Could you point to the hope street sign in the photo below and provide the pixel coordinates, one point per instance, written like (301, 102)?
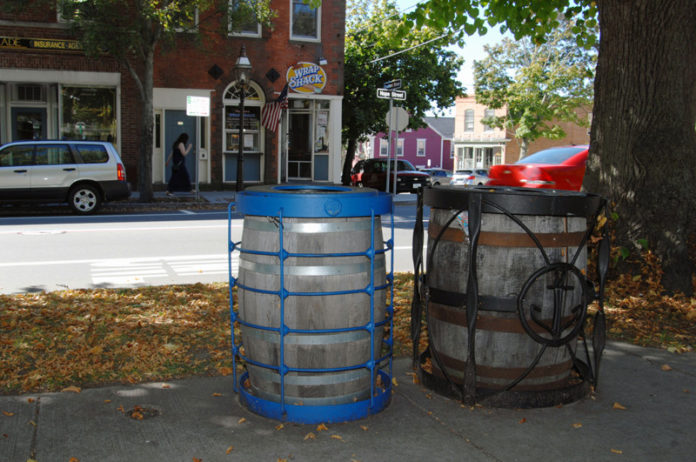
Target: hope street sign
(385, 93)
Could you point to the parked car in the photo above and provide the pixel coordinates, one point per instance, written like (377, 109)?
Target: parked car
(408, 178)
(554, 168)
(438, 175)
(470, 177)
(82, 173)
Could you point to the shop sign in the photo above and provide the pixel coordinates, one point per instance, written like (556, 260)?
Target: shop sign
(306, 78)
(21, 43)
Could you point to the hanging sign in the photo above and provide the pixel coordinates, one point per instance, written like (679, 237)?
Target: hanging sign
(308, 78)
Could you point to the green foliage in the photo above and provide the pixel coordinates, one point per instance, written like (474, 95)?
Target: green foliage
(428, 73)
(537, 82)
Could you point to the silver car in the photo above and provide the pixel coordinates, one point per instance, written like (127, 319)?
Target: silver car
(82, 173)
(470, 177)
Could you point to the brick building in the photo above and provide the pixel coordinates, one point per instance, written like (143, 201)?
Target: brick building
(477, 145)
(50, 89)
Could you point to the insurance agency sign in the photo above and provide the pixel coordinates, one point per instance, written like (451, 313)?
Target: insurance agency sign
(308, 78)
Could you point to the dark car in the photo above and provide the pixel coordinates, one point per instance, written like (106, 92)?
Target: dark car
(554, 168)
(408, 178)
(356, 173)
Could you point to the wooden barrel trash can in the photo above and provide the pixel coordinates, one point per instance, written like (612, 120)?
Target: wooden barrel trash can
(514, 261)
(311, 292)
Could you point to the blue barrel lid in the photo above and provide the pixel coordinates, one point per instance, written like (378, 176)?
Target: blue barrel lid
(313, 201)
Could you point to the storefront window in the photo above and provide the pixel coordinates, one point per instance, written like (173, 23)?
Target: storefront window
(88, 113)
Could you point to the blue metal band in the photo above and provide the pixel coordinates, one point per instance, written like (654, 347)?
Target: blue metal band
(313, 201)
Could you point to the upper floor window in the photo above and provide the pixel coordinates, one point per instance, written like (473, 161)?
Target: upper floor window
(304, 21)
(383, 147)
(420, 149)
(488, 114)
(469, 120)
(186, 20)
(243, 19)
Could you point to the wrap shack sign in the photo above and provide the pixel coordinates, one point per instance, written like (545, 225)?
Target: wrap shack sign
(308, 78)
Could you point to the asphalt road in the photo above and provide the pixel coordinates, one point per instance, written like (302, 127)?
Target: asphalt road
(58, 252)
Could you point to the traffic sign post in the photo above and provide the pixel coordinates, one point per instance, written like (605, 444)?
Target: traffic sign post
(391, 92)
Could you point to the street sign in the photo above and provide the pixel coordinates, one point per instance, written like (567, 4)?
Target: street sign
(398, 94)
(393, 84)
(385, 93)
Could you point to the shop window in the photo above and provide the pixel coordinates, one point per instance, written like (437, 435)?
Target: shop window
(252, 143)
(321, 132)
(304, 21)
(243, 19)
(420, 149)
(89, 113)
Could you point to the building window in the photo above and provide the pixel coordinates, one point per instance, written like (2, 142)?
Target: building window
(488, 114)
(451, 150)
(186, 20)
(400, 147)
(420, 147)
(469, 120)
(383, 147)
(304, 21)
(243, 19)
(88, 113)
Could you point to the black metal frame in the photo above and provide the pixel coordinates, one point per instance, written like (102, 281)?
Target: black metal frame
(513, 202)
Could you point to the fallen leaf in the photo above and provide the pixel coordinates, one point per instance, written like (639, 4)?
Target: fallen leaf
(666, 367)
(73, 459)
(30, 400)
(72, 389)
(8, 414)
(617, 451)
(216, 395)
(337, 437)
(107, 401)
(310, 436)
(166, 385)
(364, 427)
(230, 449)
(522, 420)
(396, 384)
(242, 420)
(619, 406)
(196, 459)
(322, 427)
(577, 425)
(279, 427)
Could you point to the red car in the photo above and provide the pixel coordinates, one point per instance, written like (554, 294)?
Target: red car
(554, 168)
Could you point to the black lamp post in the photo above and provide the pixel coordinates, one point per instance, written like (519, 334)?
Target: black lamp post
(242, 69)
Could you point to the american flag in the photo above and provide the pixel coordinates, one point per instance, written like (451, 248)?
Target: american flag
(270, 116)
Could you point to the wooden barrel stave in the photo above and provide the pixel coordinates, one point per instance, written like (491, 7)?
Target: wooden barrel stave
(311, 275)
(506, 257)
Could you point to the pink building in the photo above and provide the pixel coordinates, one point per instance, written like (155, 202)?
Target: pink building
(428, 147)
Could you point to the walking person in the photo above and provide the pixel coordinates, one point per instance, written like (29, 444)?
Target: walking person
(180, 179)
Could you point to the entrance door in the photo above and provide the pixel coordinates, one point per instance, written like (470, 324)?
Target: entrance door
(28, 123)
(300, 147)
(176, 123)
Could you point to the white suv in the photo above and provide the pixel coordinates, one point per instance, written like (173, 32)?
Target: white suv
(82, 173)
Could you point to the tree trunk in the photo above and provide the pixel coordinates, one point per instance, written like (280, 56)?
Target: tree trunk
(348, 163)
(643, 138)
(524, 147)
(145, 149)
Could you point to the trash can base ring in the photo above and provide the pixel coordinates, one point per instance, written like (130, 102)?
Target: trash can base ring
(317, 414)
(510, 399)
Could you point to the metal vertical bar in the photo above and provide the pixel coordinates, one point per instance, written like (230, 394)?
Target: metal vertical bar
(371, 325)
(282, 369)
(231, 284)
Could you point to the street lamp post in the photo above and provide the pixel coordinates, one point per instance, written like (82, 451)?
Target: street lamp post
(242, 69)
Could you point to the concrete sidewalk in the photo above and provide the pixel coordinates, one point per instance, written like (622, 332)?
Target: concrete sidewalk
(201, 418)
